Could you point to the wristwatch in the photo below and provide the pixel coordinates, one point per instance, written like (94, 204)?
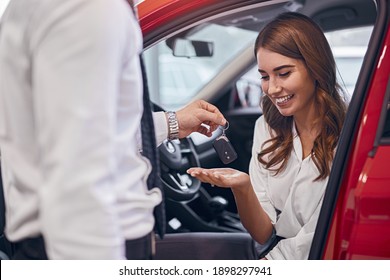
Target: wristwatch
(173, 125)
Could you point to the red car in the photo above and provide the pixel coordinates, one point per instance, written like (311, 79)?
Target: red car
(216, 63)
(355, 218)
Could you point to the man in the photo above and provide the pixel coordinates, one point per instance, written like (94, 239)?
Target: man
(70, 114)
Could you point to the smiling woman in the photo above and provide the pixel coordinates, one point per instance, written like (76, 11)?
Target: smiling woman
(286, 76)
(294, 141)
(307, 93)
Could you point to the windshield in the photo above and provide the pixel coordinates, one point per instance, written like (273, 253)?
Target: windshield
(174, 81)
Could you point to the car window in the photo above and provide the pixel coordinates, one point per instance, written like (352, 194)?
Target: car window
(174, 81)
(249, 89)
(349, 47)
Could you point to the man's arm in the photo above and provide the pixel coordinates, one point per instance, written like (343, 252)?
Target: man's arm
(199, 116)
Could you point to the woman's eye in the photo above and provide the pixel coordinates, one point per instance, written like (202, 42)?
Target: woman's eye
(264, 77)
(285, 74)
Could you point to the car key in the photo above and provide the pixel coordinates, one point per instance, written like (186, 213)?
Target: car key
(224, 148)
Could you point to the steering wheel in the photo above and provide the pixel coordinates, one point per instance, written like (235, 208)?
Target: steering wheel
(176, 156)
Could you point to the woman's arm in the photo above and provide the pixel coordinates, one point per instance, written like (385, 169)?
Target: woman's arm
(252, 215)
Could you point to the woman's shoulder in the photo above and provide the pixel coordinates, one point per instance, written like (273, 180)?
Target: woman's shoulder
(261, 126)
(262, 132)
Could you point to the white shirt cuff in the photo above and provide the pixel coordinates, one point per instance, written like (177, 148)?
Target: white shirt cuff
(161, 126)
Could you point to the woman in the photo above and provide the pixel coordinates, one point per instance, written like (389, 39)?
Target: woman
(294, 140)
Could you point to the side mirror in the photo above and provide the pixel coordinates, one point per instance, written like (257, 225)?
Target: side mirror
(191, 48)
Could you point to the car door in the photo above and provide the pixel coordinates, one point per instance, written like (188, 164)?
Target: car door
(355, 217)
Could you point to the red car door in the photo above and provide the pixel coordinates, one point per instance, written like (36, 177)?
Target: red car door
(359, 188)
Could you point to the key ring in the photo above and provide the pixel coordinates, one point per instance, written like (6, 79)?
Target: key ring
(226, 126)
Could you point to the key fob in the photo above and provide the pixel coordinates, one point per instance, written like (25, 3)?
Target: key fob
(224, 149)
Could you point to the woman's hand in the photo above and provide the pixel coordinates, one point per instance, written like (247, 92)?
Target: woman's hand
(252, 215)
(222, 177)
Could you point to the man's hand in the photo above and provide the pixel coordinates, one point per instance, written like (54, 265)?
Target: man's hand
(199, 116)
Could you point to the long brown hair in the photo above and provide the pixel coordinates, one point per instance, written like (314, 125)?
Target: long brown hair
(296, 36)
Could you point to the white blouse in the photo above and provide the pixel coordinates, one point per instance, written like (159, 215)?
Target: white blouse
(291, 199)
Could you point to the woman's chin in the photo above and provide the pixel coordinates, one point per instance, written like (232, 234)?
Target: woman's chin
(285, 113)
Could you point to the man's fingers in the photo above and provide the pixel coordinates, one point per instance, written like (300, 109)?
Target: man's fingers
(212, 112)
(212, 118)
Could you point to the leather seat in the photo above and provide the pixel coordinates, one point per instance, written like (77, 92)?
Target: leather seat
(206, 246)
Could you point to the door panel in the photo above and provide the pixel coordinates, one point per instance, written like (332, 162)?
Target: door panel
(359, 227)
(367, 223)
(348, 228)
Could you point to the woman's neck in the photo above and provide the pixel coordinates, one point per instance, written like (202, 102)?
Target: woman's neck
(308, 126)
(308, 129)
(308, 122)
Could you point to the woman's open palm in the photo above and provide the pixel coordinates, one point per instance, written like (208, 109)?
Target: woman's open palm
(222, 177)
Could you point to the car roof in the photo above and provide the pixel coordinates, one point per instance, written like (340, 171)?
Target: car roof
(175, 16)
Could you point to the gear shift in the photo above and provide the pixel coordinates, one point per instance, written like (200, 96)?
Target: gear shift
(217, 205)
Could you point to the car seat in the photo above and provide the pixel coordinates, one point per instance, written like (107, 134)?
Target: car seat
(206, 246)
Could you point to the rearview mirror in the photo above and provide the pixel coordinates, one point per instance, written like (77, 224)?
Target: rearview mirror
(192, 48)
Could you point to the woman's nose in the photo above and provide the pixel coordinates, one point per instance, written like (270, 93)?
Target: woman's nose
(273, 87)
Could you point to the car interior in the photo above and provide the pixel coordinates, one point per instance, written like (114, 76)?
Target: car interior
(224, 74)
(212, 209)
